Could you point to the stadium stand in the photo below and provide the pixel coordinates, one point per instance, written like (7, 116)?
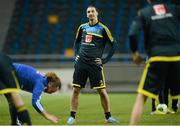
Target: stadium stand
(44, 27)
(41, 33)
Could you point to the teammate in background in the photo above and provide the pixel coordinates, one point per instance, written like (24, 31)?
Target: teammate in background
(173, 110)
(9, 86)
(163, 99)
(89, 45)
(33, 81)
(159, 21)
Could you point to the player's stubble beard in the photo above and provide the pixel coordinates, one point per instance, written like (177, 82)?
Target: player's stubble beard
(93, 21)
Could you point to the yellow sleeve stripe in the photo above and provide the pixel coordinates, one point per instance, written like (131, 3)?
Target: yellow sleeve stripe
(107, 31)
(90, 33)
(77, 33)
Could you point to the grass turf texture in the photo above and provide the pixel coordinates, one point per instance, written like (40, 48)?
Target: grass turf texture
(90, 111)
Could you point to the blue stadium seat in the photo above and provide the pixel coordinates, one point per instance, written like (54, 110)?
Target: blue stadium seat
(31, 33)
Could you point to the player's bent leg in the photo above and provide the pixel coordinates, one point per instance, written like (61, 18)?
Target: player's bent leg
(23, 116)
(22, 113)
(12, 110)
(17, 100)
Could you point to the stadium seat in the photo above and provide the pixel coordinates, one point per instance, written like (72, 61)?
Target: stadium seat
(30, 31)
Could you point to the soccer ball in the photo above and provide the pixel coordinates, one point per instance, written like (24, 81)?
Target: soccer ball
(162, 107)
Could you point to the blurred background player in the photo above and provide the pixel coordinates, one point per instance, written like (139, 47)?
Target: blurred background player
(164, 99)
(9, 86)
(89, 45)
(159, 22)
(33, 81)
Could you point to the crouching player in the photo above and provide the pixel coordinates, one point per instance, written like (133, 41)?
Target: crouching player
(33, 81)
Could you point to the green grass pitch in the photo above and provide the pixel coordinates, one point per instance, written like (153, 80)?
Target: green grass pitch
(90, 111)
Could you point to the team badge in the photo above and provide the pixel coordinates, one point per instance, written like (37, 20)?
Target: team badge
(159, 9)
(88, 38)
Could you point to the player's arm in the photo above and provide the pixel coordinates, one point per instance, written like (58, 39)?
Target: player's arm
(113, 44)
(36, 97)
(77, 41)
(12, 109)
(133, 33)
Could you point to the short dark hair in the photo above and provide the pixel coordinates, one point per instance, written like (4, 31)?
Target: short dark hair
(93, 7)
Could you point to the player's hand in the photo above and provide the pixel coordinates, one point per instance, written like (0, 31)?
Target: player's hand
(98, 61)
(50, 117)
(77, 58)
(137, 58)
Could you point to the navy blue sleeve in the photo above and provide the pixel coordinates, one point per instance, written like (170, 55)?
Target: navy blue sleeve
(136, 26)
(76, 47)
(110, 53)
(77, 41)
(134, 31)
(36, 96)
(109, 38)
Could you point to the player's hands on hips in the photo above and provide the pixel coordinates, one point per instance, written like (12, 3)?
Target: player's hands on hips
(137, 58)
(98, 61)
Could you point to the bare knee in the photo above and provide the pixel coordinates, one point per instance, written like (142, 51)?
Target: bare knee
(76, 90)
(102, 92)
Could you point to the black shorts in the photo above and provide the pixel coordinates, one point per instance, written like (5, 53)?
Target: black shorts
(157, 72)
(8, 80)
(83, 71)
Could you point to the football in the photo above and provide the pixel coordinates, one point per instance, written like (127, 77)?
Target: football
(162, 108)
